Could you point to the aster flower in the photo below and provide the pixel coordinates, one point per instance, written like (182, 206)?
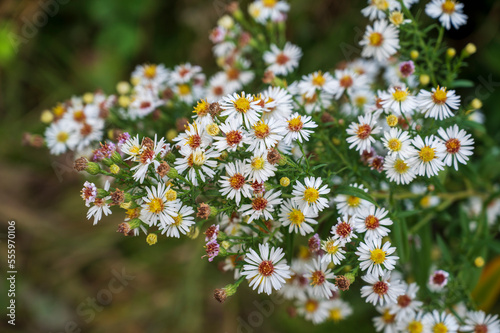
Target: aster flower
(386, 322)
(156, 208)
(380, 41)
(413, 323)
(198, 163)
(407, 303)
(273, 10)
(212, 249)
(314, 83)
(438, 280)
(375, 258)
(346, 80)
(333, 251)
(61, 136)
(439, 103)
(478, 321)
(235, 184)
(266, 270)
(150, 74)
(184, 73)
(372, 222)
(181, 223)
(291, 215)
(380, 290)
(441, 322)
(262, 206)
(401, 171)
(218, 87)
(278, 103)
(377, 8)
(146, 158)
(132, 148)
(344, 229)
(313, 309)
(318, 275)
(89, 193)
(458, 144)
(194, 136)
(398, 142)
(297, 128)
(361, 133)
(283, 62)
(234, 137)
(308, 196)
(350, 204)
(428, 156)
(398, 100)
(259, 169)
(265, 134)
(449, 12)
(238, 77)
(241, 109)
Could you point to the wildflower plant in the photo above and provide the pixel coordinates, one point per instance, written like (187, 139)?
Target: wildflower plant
(305, 184)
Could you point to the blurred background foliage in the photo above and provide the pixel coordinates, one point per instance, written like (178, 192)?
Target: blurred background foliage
(64, 262)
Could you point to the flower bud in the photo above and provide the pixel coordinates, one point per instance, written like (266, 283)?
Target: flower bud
(47, 117)
(213, 129)
(392, 120)
(81, 164)
(101, 193)
(93, 168)
(116, 157)
(479, 262)
(414, 54)
(451, 52)
(284, 181)
(193, 232)
(222, 294)
(88, 98)
(124, 101)
(134, 223)
(424, 79)
(123, 87)
(152, 239)
(476, 103)
(470, 49)
(172, 173)
(114, 169)
(225, 244)
(107, 162)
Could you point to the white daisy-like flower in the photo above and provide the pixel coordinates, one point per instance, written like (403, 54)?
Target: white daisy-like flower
(346, 80)
(132, 148)
(438, 280)
(273, 10)
(278, 103)
(428, 156)
(413, 323)
(361, 133)
(265, 134)
(241, 109)
(350, 204)
(377, 9)
(144, 102)
(344, 229)
(407, 303)
(150, 74)
(259, 169)
(401, 171)
(318, 275)
(380, 41)
(313, 309)
(188, 93)
(291, 215)
(361, 101)
(386, 322)
(61, 136)
(234, 137)
(376, 258)
(308, 196)
(146, 158)
(478, 321)
(338, 310)
(441, 322)
(449, 12)
(202, 114)
(372, 222)
(458, 144)
(194, 136)
(380, 290)
(439, 103)
(262, 206)
(266, 270)
(218, 87)
(314, 83)
(198, 162)
(183, 73)
(181, 223)
(235, 184)
(333, 251)
(398, 100)
(157, 208)
(238, 78)
(297, 128)
(89, 193)
(100, 206)
(282, 62)
(398, 142)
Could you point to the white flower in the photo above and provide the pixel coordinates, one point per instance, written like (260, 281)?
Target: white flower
(238, 78)
(273, 10)
(195, 136)
(198, 163)
(313, 309)
(333, 251)
(344, 229)
(361, 133)
(386, 322)
(132, 148)
(450, 13)
(156, 207)
(218, 87)
(380, 41)
(100, 206)
(89, 193)
(234, 137)
(398, 100)
(346, 80)
(377, 8)
(265, 134)
(278, 103)
(478, 321)
(428, 157)
(181, 223)
(150, 74)
(438, 280)
(283, 62)
(380, 290)
(318, 275)
(375, 258)
(235, 184)
(407, 303)
(372, 221)
(439, 103)
(413, 323)
(308, 196)
(314, 83)
(259, 169)
(338, 309)
(350, 204)
(291, 215)
(458, 144)
(398, 142)
(262, 206)
(144, 102)
(184, 73)
(296, 128)
(399, 170)
(241, 109)
(441, 322)
(61, 136)
(264, 270)
(146, 158)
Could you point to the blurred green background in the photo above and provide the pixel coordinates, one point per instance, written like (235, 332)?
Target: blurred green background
(63, 261)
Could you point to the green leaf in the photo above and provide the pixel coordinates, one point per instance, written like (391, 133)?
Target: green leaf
(356, 192)
(444, 250)
(462, 84)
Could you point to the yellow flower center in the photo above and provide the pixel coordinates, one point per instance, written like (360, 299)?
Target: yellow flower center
(311, 305)
(318, 79)
(184, 89)
(242, 105)
(415, 327)
(387, 317)
(394, 144)
(439, 96)
(258, 163)
(440, 328)
(330, 247)
(198, 157)
(317, 278)
(269, 3)
(62, 137)
(427, 154)
(425, 201)
(171, 195)
(58, 110)
(201, 108)
(152, 239)
(353, 201)
(400, 166)
(376, 39)
(377, 256)
(396, 18)
(363, 131)
(295, 124)
(150, 71)
(392, 120)
(212, 129)
(177, 220)
(261, 130)
(311, 195)
(400, 95)
(453, 146)
(134, 150)
(156, 205)
(360, 101)
(448, 6)
(381, 4)
(296, 217)
(336, 315)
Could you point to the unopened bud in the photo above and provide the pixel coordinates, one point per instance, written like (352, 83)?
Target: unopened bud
(93, 168)
(123, 87)
(414, 54)
(172, 173)
(424, 79)
(88, 98)
(470, 49)
(476, 104)
(451, 52)
(284, 181)
(152, 239)
(479, 262)
(171, 135)
(47, 117)
(114, 169)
